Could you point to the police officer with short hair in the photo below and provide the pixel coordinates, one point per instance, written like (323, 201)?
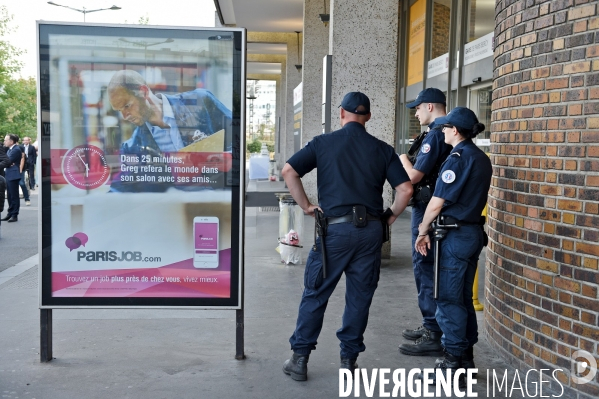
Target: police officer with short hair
(430, 151)
(352, 167)
(460, 197)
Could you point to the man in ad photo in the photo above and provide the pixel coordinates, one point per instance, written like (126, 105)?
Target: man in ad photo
(194, 120)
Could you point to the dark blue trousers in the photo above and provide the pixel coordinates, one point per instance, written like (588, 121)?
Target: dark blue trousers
(424, 273)
(24, 186)
(456, 316)
(357, 253)
(14, 203)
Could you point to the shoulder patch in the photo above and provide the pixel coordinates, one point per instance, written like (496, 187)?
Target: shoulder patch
(448, 176)
(425, 148)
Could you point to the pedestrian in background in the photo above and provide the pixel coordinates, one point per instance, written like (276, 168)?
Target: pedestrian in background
(30, 153)
(4, 160)
(13, 176)
(22, 182)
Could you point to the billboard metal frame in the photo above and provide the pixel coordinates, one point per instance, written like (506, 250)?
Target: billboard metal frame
(236, 300)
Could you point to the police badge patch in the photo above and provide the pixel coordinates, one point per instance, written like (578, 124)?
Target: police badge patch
(426, 148)
(448, 176)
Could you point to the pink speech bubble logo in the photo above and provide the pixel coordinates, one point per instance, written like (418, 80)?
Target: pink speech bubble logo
(72, 243)
(82, 237)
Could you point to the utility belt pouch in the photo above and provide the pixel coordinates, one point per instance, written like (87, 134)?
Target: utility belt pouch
(360, 216)
(424, 194)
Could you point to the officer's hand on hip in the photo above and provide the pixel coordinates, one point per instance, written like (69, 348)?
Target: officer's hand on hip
(423, 242)
(310, 210)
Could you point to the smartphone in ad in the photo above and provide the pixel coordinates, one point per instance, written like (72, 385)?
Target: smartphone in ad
(205, 233)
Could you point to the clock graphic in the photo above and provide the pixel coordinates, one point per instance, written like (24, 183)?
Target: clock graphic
(85, 167)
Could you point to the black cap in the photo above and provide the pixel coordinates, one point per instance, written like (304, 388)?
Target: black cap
(353, 100)
(461, 117)
(430, 95)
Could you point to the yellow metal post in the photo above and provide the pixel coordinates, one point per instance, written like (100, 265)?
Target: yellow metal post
(475, 302)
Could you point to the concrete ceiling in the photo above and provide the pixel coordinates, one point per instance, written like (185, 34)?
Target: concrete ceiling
(263, 15)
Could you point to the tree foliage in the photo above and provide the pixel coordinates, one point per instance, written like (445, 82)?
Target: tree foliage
(254, 146)
(9, 64)
(18, 113)
(18, 108)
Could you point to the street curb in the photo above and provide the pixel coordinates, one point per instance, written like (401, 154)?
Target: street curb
(19, 268)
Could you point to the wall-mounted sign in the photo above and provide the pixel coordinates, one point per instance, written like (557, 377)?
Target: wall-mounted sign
(478, 49)
(438, 66)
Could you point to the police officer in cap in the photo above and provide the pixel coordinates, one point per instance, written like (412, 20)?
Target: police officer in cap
(352, 167)
(430, 151)
(460, 197)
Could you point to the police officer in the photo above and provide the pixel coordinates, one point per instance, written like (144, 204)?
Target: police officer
(430, 151)
(460, 197)
(352, 167)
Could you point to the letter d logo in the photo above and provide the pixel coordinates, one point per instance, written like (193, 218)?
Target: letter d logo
(580, 366)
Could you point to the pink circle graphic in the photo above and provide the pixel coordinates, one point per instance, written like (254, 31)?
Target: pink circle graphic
(85, 167)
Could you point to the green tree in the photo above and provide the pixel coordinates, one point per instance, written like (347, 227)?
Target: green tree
(18, 108)
(18, 113)
(254, 146)
(9, 64)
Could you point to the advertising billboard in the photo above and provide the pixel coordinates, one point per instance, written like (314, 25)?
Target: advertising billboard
(142, 173)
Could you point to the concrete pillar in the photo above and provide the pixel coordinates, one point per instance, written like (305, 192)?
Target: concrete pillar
(282, 114)
(293, 78)
(363, 41)
(315, 47)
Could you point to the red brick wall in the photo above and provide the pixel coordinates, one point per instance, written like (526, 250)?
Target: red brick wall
(542, 267)
(441, 17)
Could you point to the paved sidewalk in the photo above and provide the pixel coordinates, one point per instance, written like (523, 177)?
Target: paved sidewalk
(148, 354)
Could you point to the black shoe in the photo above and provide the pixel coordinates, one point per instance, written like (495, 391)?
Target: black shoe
(13, 219)
(297, 367)
(427, 345)
(467, 360)
(413, 335)
(5, 218)
(349, 364)
(451, 363)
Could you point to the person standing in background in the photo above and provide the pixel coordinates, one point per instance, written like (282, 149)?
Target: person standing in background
(13, 175)
(30, 160)
(22, 182)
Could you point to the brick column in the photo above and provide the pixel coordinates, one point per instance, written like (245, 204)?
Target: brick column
(542, 267)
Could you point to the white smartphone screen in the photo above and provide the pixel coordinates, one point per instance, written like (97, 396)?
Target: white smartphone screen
(205, 232)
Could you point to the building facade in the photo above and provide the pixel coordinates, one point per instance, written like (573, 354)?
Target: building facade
(530, 70)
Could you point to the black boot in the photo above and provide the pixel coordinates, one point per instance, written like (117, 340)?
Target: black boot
(427, 345)
(467, 360)
(451, 363)
(413, 335)
(349, 364)
(297, 367)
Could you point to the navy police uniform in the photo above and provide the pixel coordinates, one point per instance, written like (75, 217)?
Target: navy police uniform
(433, 152)
(352, 167)
(464, 184)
